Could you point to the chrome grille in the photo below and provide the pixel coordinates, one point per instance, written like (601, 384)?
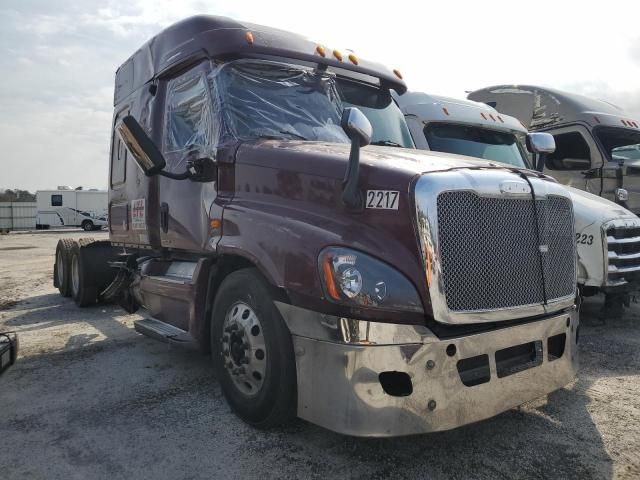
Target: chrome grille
(623, 254)
(556, 231)
(490, 250)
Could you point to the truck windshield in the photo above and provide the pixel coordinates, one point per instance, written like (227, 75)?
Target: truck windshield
(268, 99)
(475, 142)
(260, 98)
(619, 143)
(389, 125)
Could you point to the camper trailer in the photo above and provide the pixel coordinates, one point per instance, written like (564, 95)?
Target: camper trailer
(256, 213)
(65, 207)
(602, 227)
(597, 143)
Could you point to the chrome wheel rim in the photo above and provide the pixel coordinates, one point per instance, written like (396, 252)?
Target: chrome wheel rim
(75, 274)
(243, 349)
(60, 268)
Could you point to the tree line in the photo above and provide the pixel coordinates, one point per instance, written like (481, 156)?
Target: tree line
(17, 195)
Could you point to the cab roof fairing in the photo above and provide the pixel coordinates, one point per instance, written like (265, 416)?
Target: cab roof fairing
(206, 37)
(548, 106)
(430, 108)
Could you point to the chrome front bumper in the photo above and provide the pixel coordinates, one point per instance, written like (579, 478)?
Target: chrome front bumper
(339, 363)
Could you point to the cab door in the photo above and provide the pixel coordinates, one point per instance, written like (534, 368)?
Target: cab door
(577, 160)
(188, 134)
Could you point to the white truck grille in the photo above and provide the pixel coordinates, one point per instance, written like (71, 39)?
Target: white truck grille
(623, 252)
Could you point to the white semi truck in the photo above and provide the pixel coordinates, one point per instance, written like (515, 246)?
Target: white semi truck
(607, 235)
(65, 207)
(597, 142)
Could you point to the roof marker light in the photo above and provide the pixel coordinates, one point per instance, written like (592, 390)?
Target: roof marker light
(397, 73)
(483, 115)
(624, 122)
(444, 109)
(596, 119)
(635, 124)
(353, 59)
(492, 117)
(320, 50)
(500, 118)
(338, 55)
(248, 36)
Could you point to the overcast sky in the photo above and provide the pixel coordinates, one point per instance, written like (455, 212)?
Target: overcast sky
(58, 58)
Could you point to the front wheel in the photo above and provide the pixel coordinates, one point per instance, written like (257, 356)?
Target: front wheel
(253, 351)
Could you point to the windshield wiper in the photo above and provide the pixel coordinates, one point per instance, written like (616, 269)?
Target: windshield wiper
(386, 143)
(271, 136)
(296, 135)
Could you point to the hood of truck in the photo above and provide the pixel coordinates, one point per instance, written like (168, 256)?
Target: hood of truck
(330, 159)
(589, 209)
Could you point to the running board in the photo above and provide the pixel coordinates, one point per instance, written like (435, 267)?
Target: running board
(164, 332)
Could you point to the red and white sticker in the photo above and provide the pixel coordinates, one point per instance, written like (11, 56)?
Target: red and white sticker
(138, 214)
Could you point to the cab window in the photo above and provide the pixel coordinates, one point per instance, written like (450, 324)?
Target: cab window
(188, 118)
(572, 153)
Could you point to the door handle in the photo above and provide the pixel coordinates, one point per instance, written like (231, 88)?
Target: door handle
(164, 217)
(591, 173)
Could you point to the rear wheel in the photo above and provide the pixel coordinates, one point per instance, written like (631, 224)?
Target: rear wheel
(253, 351)
(83, 288)
(87, 225)
(62, 266)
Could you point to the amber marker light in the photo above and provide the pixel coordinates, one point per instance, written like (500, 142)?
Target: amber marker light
(444, 109)
(248, 36)
(321, 51)
(338, 55)
(397, 73)
(215, 223)
(328, 278)
(353, 59)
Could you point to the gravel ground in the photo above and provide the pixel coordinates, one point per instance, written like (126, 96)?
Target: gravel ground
(91, 398)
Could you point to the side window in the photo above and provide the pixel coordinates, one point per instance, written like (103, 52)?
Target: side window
(56, 200)
(119, 154)
(188, 120)
(572, 153)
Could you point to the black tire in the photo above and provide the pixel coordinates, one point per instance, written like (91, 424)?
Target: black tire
(62, 266)
(83, 288)
(275, 402)
(87, 225)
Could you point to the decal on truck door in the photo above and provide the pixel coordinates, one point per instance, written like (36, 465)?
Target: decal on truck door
(138, 214)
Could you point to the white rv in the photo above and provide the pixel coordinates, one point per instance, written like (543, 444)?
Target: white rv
(71, 208)
(607, 235)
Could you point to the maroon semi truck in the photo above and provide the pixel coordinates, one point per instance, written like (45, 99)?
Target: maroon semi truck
(259, 211)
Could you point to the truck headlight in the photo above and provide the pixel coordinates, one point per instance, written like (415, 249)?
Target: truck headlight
(354, 278)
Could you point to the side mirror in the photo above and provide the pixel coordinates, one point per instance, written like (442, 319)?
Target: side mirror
(356, 125)
(541, 143)
(144, 151)
(359, 130)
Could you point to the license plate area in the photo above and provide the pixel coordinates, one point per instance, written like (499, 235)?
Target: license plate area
(518, 358)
